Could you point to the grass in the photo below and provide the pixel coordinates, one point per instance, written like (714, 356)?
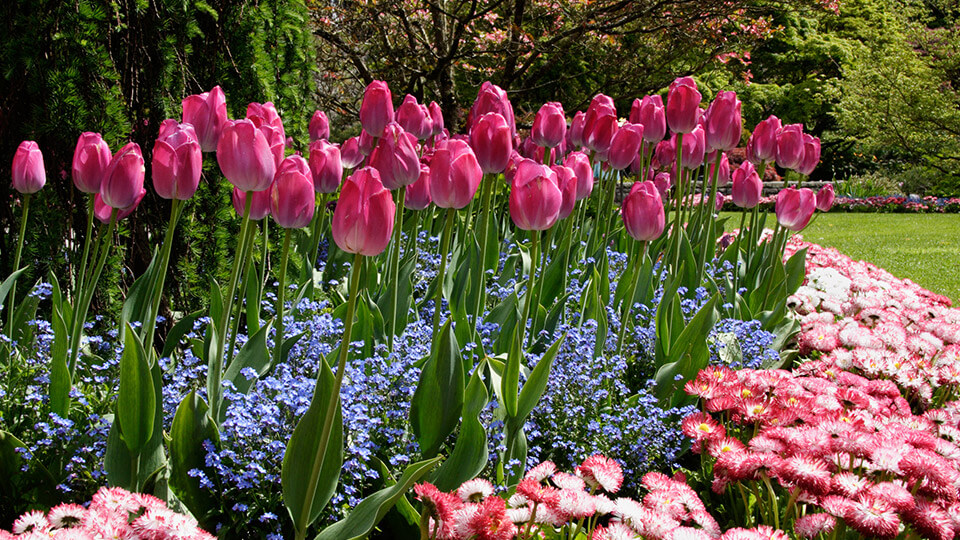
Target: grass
(924, 248)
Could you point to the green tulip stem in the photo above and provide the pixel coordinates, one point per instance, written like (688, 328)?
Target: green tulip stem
(736, 264)
(278, 339)
(534, 255)
(568, 233)
(710, 224)
(318, 223)
(87, 240)
(486, 190)
(628, 301)
(678, 198)
(544, 255)
(80, 313)
(334, 394)
(394, 276)
(16, 265)
(246, 274)
(176, 207)
(444, 250)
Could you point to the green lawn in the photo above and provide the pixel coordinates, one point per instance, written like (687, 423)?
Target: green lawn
(922, 247)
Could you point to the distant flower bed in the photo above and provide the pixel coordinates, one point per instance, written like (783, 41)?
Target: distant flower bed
(880, 204)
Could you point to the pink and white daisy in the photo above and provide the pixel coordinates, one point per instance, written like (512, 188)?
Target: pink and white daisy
(600, 471)
(475, 490)
(812, 525)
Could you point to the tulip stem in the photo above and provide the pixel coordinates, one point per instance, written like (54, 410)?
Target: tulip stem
(566, 254)
(278, 339)
(245, 273)
(315, 241)
(534, 254)
(486, 190)
(150, 323)
(628, 301)
(82, 272)
(334, 396)
(80, 313)
(736, 265)
(678, 198)
(544, 254)
(444, 249)
(394, 276)
(710, 223)
(16, 265)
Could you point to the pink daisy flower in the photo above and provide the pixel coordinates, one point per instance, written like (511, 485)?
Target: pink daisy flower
(813, 525)
(542, 471)
(65, 515)
(601, 471)
(475, 490)
(33, 521)
(490, 521)
(872, 517)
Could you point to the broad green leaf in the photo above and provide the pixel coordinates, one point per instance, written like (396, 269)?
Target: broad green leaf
(136, 402)
(216, 305)
(505, 315)
(137, 306)
(176, 333)
(470, 452)
(536, 383)
(60, 378)
(510, 383)
(437, 401)
(253, 294)
(688, 355)
(192, 426)
(254, 355)
(8, 284)
(25, 313)
(796, 269)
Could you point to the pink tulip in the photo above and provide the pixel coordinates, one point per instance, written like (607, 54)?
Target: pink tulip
(245, 156)
(580, 164)
(414, 118)
(683, 105)
(600, 124)
(663, 184)
(492, 142)
(259, 204)
(724, 175)
(747, 187)
(762, 145)
(575, 133)
(811, 154)
(567, 182)
(723, 124)
(549, 125)
(492, 98)
(29, 174)
(376, 110)
(395, 157)
(417, 195)
(455, 174)
(825, 198)
(363, 217)
(666, 152)
(642, 212)
(326, 166)
(625, 146)
(436, 118)
(694, 149)
(177, 161)
(350, 155)
(367, 142)
(515, 159)
(790, 146)
(650, 113)
(90, 160)
(123, 180)
(292, 199)
(535, 197)
(102, 211)
(795, 207)
(319, 127)
(207, 113)
(265, 114)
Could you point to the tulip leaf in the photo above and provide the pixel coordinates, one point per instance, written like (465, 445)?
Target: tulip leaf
(216, 305)
(211, 352)
(60, 379)
(688, 354)
(176, 333)
(505, 315)
(8, 284)
(470, 453)
(509, 268)
(136, 401)
(192, 426)
(437, 401)
(26, 312)
(253, 294)
(536, 382)
(253, 355)
(137, 305)
(796, 269)
(510, 383)
(360, 522)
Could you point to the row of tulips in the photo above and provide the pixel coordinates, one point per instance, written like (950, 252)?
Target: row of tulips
(563, 183)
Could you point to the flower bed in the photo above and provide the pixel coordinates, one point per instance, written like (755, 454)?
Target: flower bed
(879, 204)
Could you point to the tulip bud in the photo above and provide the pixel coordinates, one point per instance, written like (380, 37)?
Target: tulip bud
(417, 195)
(207, 113)
(292, 199)
(724, 176)
(567, 182)
(326, 166)
(663, 184)
(363, 217)
(649, 112)
(259, 204)
(762, 145)
(535, 197)
(414, 118)
(795, 207)
(580, 164)
(549, 125)
(683, 105)
(350, 154)
(102, 211)
(455, 174)
(436, 118)
(90, 160)
(575, 133)
(492, 142)
(177, 161)
(642, 212)
(29, 174)
(811, 154)
(825, 198)
(376, 110)
(492, 98)
(395, 157)
(245, 156)
(625, 146)
(790, 146)
(123, 179)
(319, 127)
(747, 187)
(694, 149)
(723, 124)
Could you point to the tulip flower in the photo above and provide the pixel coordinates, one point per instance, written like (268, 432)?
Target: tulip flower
(515, 159)
(825, 198)
(207, 113)
(723, 124)
(535, 197)
(811, 154)
(90, 160)
(795, 207)
(363, 217)
(350, 155)
(436, 118)
(642, 212)
(683, 105)
(395, 157)
(575, 133)
(326, 166)
(600, 124)
(104, 211)
(567, 182)
(549, 125)
(29, 174)
(790, 146)
(376, 110)
(455, 174)
(367, 142)
(694, 149)
(418, 193)
(747, 187)
(492, 142)
(319, 127)
(666, 152)
(580, 164)
(265, 114)
(762, 145)
(123, 179)
(724, 174)
(414, 118)
(259, 204)
(492, 98)
(625, 146)
(292, 199)
(650, 113)
(245, 156)
(177, 161)
(663, 184)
